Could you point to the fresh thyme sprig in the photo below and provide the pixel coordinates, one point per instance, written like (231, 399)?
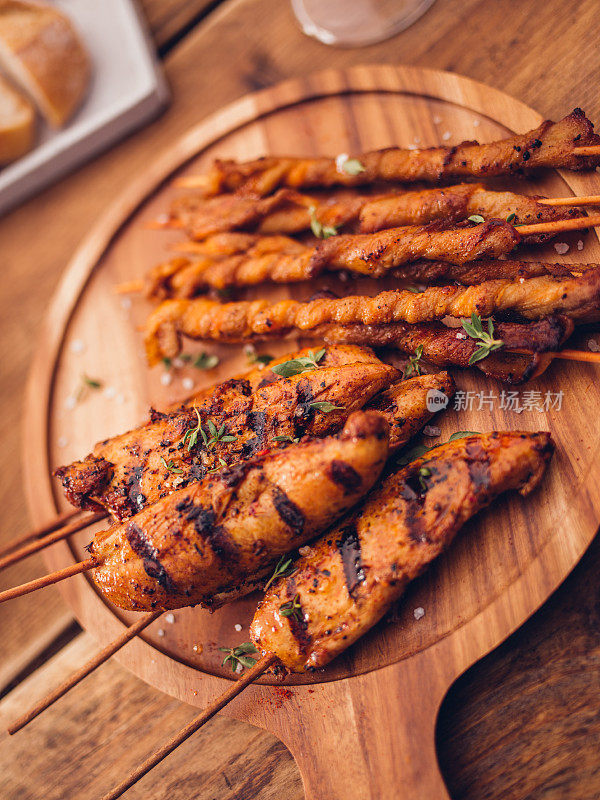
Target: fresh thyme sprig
(287, 439)
(171, 466)
(298, 365)
(477, 218)
(325, 406)
(283, 569)
(320, 231)
(413, 366)
(255, 358)
(191, 435)
(216, 434)
(205, 360)
(293, 608)
(239, 655)
(485, 339)
(87, 383)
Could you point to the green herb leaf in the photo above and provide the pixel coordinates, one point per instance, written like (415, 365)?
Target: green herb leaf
(319, 230)
(292, 608)
(414, 367)
(91, 382)
(254, 358)
(171, 467)
(424, 472)
(283, 569)
(485, 339)
(476, 218)
(352, 166)
(191, 435)
(411, 455)
(414, 289)
(286, 439)
(167, 362)
(296, 366)
(206, 361)
(462, 435)
(511, 217)
(239, 655)
(325, 406)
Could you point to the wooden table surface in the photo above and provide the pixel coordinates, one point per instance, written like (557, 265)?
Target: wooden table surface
(524, 722)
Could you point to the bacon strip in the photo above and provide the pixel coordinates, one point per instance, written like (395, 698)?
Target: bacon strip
(550, 145)
(288, 211)
(534, 298)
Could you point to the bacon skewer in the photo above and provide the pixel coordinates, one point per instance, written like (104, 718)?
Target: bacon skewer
(533, 299)
(363, 565)
(563, 144)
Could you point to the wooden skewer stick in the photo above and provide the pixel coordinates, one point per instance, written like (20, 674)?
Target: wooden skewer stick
(560, 225)
(164, 224)
(48, 580)
(584, 200)
(51, 538)
(129, 287)
(128, 634)
(587, 150)
(565, 355)
(38, 532)
(261, 666)
(193, 182)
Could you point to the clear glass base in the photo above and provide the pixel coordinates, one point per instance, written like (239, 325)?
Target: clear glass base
(356, 23)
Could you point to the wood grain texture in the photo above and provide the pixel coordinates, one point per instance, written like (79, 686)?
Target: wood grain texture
(504, 44)
(475, 597)
(170, 19)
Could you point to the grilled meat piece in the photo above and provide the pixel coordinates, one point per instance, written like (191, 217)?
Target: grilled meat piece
(279, 259)
(129, 472)
(407, 406)
(208, 538)
(287, 211)
(549, 145)
(535, 298)
(450, 347)
(470, 274)
(355, 573)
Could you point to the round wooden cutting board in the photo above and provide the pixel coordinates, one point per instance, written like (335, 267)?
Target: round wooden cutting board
(366, 724)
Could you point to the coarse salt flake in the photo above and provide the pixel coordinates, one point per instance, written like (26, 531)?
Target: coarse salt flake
(188, 384)
(238, 627)
(178, 363)
(120, 399)
(304, 551)
(561, 248)
(240, 667)
(437, 120)
(419, 613)
(166, 379)
(109, 392)
(446, 135)
(77, 346)
(432, 430)
(170, 618)
(340, 161)
(521, 280)
(126, 303)
(460, 335)
(62, 441)
(593, 346)
(70, 402)
(476, 123)
(580, 244)
(160, 632)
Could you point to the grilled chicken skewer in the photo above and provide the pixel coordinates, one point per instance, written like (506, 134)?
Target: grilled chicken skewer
(404, 406)
(129, 472)
(183, 278)
(552, 144)
(213, 400)
(363, 566)
(280, 259)
(202, 544)
(288, 211)
(535, 298)
(451, 347)
(354, 574)
(212, 540)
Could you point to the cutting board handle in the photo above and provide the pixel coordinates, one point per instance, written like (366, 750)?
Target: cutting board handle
(372, 737)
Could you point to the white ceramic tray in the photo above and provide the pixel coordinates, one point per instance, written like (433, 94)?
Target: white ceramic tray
(127, 89)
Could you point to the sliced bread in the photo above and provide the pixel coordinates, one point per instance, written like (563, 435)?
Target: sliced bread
(41, 51)
(17, 123)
